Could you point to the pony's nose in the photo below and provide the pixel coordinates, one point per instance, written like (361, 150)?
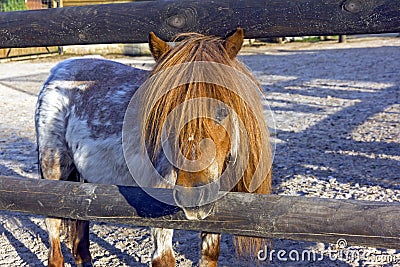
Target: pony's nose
(192, 202)
(198, 213)
(190, 197)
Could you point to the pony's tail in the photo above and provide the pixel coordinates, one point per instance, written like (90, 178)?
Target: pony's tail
(250, 247)
(69, 226)
(247, 246)
(68, 231)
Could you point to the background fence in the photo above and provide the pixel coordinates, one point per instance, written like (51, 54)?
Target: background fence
(131, 22)
(103, 24)
(19, 5)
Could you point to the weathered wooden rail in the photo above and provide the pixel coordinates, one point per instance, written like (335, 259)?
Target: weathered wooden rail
(131, 22)
(299, 218)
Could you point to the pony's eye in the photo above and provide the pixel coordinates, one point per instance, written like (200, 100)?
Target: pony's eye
(221, 114)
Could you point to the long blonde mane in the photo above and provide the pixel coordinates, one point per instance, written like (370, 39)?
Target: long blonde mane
(244, 101)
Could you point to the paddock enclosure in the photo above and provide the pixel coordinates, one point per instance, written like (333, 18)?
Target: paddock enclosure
(337, 113)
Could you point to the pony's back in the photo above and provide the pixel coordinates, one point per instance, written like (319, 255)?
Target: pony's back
(79, 119)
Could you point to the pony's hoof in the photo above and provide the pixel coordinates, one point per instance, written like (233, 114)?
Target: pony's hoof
(84, 264)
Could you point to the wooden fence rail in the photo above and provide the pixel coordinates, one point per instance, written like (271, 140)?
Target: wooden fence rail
(131, 22)
(299, 218)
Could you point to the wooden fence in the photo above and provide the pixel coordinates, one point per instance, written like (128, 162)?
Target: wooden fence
(313, 219)
(299, 218)
(28, 52)
(131, 22)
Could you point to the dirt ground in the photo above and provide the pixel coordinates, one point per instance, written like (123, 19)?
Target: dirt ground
(337, 134)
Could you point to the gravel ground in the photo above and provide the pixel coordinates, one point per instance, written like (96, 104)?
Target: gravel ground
(337, 113)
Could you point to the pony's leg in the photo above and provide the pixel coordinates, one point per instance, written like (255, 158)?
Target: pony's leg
(53, 166)
(163, 254)
(80, 244)
(210, 247)
(55, 258)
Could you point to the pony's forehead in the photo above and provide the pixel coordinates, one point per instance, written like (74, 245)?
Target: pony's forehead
(193, 36)
(193, 44)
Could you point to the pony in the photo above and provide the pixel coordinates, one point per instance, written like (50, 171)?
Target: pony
(193, 124)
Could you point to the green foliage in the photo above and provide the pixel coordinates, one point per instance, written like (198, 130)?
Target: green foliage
(12, 5)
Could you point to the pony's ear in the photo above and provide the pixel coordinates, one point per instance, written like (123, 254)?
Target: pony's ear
(233, 43)
(158, 47)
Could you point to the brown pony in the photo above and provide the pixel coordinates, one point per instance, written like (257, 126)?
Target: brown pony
(194, 124)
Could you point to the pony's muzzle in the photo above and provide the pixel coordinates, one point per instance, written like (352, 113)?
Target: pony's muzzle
(196, 202)
(199, 213)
